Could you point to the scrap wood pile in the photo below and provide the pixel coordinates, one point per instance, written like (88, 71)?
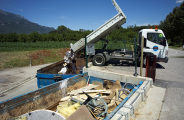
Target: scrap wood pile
(87, 103)
(96, 100)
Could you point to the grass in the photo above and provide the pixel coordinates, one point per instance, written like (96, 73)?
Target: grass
(31, 46)
(19, 54)
(176, 47)
(23, 58)
(177, 57)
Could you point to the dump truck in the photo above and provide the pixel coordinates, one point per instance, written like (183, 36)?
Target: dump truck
(154, 43)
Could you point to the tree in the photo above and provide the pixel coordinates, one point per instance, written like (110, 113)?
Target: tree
(63, 29)
(34, 37)
(23, 37)
(173, 26)
(12, 37)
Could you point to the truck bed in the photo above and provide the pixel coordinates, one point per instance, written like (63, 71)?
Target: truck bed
(102, 31)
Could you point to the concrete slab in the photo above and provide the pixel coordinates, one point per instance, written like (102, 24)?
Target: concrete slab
(150, 109)
(100, 72)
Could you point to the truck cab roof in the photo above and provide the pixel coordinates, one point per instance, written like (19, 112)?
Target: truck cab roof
(151, 30)
(145, 31)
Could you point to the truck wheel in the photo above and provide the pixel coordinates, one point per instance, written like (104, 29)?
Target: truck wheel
(99, 59)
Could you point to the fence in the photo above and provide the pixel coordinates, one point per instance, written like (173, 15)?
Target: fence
(115, 44)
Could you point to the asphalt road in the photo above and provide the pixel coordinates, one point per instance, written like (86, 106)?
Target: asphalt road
(168, 75)
(172, 77)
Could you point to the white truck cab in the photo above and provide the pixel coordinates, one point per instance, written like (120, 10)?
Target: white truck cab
(154, 43)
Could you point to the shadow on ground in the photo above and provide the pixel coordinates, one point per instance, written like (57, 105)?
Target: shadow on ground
(126, 63)
(121, 63)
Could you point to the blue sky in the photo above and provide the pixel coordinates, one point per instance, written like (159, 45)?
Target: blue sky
(89, 14)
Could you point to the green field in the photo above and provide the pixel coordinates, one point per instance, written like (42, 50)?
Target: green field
(19, 54)
(31, 46)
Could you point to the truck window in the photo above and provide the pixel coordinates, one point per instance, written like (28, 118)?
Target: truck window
(155, 37)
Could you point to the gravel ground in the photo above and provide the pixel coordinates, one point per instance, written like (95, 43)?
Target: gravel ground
(23, 78)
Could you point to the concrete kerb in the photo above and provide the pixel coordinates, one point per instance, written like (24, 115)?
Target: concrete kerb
(16, 85)
(135, 100)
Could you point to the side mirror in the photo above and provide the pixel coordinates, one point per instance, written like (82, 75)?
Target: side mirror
(164, 42)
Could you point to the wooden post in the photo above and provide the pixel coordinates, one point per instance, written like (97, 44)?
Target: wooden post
(142, 46)
(30, 60)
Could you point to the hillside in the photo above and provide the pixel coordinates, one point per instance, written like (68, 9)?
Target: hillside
(13, 23)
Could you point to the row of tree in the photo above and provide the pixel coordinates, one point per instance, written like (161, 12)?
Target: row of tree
(173, 27)
(65, 34)
(61, 34)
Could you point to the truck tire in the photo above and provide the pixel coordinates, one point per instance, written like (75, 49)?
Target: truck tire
(99, 59)
(144, 62)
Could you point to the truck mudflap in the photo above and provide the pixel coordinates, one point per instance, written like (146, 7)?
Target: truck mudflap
(165, 60)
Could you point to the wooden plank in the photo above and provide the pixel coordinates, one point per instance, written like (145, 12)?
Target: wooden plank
(93, 91)
(75, 92)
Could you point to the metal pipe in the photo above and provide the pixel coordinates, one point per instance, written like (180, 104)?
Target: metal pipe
(86, 56)
(135, 56)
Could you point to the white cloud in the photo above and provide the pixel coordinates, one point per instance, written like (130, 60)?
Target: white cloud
(64, 17)
(179, 1)
(145, 24)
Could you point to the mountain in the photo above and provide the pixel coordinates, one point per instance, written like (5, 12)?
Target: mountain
(13, 23)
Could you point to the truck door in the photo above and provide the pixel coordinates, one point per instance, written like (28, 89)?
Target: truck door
(157, 42)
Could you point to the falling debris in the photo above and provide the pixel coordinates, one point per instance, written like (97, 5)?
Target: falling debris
(69, 57)
(64, 69)
(69, 66)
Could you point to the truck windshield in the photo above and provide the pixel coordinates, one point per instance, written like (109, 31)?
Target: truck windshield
(156, 38)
